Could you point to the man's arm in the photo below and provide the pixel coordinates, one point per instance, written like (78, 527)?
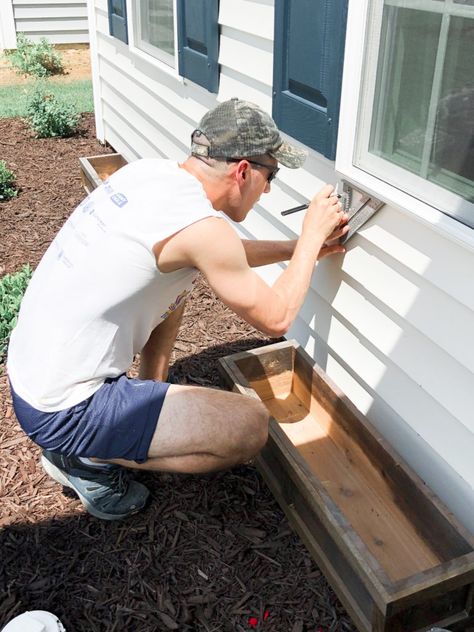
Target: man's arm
(212, 246)
(261, 252)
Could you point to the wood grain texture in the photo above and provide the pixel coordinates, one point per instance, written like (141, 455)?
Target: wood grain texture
(96, 169)
(395, 556)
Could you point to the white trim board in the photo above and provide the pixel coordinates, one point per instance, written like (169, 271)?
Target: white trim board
(95, 68)
(7, 25)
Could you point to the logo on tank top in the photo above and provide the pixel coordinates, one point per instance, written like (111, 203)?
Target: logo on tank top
(119, 199)
(178, 300)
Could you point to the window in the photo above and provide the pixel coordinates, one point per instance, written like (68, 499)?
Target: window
(307, 73)
(417, 112)
(155, 29)
(170, 30)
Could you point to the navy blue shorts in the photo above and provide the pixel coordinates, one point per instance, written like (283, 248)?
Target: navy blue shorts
(117, 422)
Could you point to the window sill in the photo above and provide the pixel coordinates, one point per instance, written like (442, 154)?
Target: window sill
(159, 65)
(406, 203)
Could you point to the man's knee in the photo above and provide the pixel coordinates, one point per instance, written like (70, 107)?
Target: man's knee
(262, 419)
(254, 419)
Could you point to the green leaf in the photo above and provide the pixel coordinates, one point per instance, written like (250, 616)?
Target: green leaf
(12, 289)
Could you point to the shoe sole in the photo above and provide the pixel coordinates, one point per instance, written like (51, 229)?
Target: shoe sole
(60, 478)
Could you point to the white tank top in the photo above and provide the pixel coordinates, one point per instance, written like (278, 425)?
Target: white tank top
(97, 294)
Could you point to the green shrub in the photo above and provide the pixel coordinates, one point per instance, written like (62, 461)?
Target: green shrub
(35, 58)
(7, 182)
(50, 116)
(12, 288)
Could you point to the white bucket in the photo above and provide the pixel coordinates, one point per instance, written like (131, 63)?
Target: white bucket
(35, 621)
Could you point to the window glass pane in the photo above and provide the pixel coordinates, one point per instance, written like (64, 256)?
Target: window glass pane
(156, 24)
(424, 98)
(452, 151)
(404, 82)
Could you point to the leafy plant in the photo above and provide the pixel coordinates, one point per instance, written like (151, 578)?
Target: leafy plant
(7, 182)
(12, 288)
(50, 116)
(35, 58)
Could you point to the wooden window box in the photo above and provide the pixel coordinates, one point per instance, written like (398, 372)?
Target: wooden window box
(395, 556)
(96, 169)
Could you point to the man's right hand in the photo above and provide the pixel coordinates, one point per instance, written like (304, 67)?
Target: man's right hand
(324, 214)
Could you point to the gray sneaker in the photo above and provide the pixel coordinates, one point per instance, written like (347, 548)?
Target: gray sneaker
(106, 491)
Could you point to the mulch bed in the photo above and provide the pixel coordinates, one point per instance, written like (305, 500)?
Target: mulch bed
(211, 553)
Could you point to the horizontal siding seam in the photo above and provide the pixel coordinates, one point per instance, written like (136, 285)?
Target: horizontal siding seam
(65, 3)
(52, 20)
(388, 359)
(134, 130)
(120, 140)
(371, 391)
(148, 119)
(256, 84)
(411, 277)
(250, 17)
(51, 32)
(401, 321)
(104, 14)
(411, 272)
(136, 79)
(249, 39)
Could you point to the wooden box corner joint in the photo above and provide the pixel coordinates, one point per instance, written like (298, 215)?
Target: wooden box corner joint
(395, 556)
(96, 169)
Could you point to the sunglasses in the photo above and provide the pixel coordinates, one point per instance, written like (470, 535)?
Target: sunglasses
(272, 170)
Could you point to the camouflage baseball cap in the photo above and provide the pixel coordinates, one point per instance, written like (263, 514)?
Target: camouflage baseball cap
(239, 129)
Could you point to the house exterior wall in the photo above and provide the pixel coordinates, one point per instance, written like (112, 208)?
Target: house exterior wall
(391, 320)
(60, 21)
(7, 26)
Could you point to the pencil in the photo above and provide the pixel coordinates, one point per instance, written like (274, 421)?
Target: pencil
(302, 207)
(295, 209)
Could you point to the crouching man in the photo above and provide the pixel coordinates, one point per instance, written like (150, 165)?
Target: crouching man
(113, 283)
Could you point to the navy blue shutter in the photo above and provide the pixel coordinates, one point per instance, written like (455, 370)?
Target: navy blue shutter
(198, 42)
(118, 19)
(307, 72)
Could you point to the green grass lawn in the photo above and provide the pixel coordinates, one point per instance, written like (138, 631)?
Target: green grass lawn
(13, 98)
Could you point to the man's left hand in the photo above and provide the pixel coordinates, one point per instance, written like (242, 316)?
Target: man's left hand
(332, 246)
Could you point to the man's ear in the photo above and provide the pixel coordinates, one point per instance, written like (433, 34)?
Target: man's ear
(242, 169)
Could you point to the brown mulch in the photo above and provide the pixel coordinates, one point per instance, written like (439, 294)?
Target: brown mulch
(211, 551)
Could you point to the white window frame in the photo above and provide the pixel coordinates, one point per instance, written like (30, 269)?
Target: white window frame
(146, 51)
(361, 53)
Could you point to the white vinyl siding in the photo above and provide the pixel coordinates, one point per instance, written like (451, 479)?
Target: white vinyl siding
(391, 321)
(60, 21)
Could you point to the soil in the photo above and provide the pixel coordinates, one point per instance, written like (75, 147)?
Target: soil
(76, 61)
(210, 553)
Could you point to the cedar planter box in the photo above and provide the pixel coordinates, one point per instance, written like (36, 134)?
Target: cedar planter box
(394, 555)
(96, 169)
